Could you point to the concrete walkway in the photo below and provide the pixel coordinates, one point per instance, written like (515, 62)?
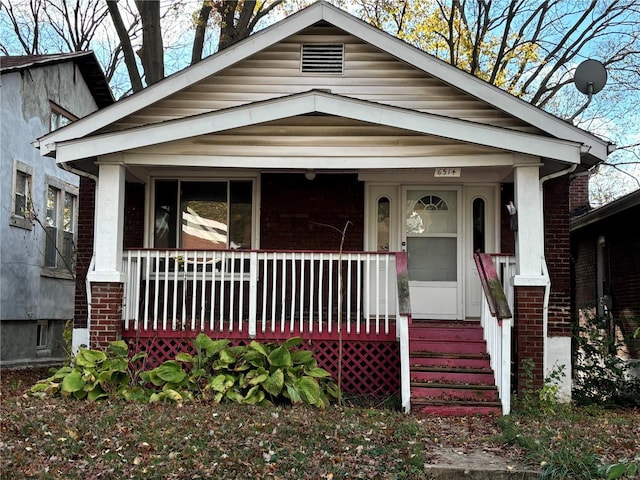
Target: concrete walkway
(450, 464)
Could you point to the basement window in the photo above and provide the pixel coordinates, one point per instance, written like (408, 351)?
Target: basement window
(323, 58)
(42, 331)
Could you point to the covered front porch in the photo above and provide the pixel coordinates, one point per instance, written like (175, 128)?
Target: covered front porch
(351, 308)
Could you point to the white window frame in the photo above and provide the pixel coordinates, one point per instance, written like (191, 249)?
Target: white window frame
(60, 269)
(16, 219)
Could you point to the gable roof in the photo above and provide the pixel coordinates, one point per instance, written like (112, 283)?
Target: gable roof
(320, 102)
(620, 205)
(595, 149)
(87, 64)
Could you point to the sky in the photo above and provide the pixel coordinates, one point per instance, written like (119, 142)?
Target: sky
(612, 114)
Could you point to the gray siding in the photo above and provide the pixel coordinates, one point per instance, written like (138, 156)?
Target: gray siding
(28, 292)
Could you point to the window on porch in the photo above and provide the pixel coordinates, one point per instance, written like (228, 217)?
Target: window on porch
(204, 215)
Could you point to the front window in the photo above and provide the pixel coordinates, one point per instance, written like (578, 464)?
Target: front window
(207, 215)
(59, 226)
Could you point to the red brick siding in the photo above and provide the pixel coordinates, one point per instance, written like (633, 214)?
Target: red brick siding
(295, 212)
(507, 235)
(584, 258)
(622, 245)
(579, 194)
(557, 250)
(621, 275)
(134, 215)
(106, 314)
(529, 334)
(84, 248)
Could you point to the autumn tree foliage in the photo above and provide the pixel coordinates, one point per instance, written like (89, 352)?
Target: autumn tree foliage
(529, 48)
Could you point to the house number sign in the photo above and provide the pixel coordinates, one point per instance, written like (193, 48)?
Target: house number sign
(447, 172)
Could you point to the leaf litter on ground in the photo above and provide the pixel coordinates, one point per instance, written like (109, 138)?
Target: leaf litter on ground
(63, 438)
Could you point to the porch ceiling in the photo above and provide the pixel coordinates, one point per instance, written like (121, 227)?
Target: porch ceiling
(199, 135)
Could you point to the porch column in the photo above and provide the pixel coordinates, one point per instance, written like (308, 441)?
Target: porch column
(530, 283)
(106, 279)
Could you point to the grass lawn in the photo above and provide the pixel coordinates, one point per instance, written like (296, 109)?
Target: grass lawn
(61, 438)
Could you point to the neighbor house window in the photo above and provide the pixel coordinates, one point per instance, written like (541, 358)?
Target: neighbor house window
(21, 198)
(42, 334)
(59, 225)
(204, 215)
(59, 117)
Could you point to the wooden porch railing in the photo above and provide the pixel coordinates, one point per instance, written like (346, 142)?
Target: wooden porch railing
(260, 291)
(496, 273)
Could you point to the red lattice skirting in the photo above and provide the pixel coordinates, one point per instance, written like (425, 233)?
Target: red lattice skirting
(370, 363)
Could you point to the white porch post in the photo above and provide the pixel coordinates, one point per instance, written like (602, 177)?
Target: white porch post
(106, 280)
(528, 202)
(530, 283)
(109, 222)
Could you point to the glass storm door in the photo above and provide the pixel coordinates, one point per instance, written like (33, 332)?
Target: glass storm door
(430, 236)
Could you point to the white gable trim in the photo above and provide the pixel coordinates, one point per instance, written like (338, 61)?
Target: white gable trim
(293, 24)
(326, 103)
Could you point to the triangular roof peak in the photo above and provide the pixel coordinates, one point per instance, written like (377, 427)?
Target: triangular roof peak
(317, 12)
(313, 102)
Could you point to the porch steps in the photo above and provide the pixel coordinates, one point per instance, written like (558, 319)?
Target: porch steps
(450, 370)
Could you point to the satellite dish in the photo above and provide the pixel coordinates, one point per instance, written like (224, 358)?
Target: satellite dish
(590, 77)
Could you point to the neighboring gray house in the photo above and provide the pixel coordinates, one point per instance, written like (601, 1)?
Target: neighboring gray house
(39, 200)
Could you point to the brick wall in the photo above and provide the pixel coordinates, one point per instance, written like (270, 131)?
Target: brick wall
(529, 335)
(295, 212)
(622, 246)
(584, 260)
(621, 274)
(84, 248)
(134, 215)
(557, 251)
(507, 235)
(106, 314)
(579, 194)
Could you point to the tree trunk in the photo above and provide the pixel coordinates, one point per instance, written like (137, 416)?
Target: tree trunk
(151, 54)
(201, 28)
(125, 42)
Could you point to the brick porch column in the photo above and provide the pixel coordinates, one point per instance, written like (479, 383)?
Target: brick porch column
(529, 302)
(106, 314)
(107, 279)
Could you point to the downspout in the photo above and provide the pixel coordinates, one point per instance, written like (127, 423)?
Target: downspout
(545, 271)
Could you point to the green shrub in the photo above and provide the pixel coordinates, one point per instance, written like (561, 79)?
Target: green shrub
(254, 374)
(601, 376)
(94, 374)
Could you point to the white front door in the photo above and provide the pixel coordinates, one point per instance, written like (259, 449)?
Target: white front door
(430, 234)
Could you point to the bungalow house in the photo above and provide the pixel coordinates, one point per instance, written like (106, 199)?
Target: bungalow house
(322, 178)
(606, 263)
(40, 93)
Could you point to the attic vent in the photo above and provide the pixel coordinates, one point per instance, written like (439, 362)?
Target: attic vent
(322, 58)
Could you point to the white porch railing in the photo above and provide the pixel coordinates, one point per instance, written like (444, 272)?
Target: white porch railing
(259, 291)
(497, 333)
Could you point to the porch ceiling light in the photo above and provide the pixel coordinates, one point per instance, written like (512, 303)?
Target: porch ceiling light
(310, 174)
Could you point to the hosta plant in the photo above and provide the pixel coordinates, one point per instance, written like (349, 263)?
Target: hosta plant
(94, 374)
(254, 374)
